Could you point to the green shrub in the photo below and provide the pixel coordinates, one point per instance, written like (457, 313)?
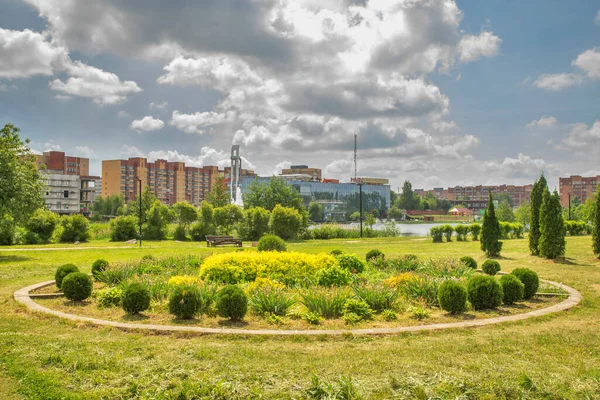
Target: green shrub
(271, 301)
(372, 254)
(110, 297)
(469, 262)
(199, 231)
(447, 230)
(475, 229)
(98, 267)
(461, 232)
(512, 288)
(75, 228)
(136, 298)
(378, 298)
(437, 234)
(351, 319)
(351, 262)
(123, 229)
(389, 315)
(285, 222)
(336, 252)
(180, 233)
(418, 312)
(185, 302)
(359, 308)
(63, 271)
(530, 279)
(326, 303)
(232, 303)
(452, 296)
(41, 225)
(77, 286)
(485, 292)
(255, 223)
(491, 267)
(7, 230)
(271, 243)
(333, 276)
(312, 318)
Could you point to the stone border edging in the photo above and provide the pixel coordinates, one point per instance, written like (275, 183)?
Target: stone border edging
(22, 296)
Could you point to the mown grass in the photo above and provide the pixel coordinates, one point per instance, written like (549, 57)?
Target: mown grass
(558, 356)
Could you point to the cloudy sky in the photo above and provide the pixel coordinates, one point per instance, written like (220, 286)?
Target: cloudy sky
(440, 92)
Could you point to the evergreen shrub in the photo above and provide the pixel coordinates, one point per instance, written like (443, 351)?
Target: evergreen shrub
(485, 292)
(63, 271)
(77, 286)
(530, 279)
(351, 262)
(98, 266)
(271, 243)
(469, 262)
(185, 301)
(232, 303)
(136, 298)
(491, 267)
(452, 296)
(180, 233)
(512, 288)
(372, 254)
(123, 229)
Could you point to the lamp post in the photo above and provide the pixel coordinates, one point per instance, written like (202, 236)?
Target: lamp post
(361, 208)
(140, 215)
(569, 206)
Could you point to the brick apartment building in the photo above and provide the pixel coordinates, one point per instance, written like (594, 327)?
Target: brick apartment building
(171, 182)
(518, 194)
(577, 186)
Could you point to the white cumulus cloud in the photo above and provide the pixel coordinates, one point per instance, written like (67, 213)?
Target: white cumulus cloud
(589, 62)
(147, 124)
(471, 47)
(544, 122)
(557, 82)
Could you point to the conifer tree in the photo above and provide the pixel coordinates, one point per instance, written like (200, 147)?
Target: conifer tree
(552, 229)
(490, 231)
(596, 225)
(537, 192)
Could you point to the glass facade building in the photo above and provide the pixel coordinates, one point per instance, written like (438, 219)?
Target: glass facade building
(337, 198)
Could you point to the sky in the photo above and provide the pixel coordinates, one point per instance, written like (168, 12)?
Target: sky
(439, 92)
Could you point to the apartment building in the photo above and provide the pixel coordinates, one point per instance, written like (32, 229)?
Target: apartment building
(299, 171)
(577, 186)
(518, 194)
(171, 182)
(62, 192)
(59, 162)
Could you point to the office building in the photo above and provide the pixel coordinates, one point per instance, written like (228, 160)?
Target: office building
(478, 194)
(577, 186)
(301, 173)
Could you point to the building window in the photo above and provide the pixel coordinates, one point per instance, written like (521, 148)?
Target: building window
(66, 194)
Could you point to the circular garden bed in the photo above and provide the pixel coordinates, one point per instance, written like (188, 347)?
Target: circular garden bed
(250, 292)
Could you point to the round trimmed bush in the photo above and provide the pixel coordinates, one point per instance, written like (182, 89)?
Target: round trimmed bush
(185, 302)
(333, 276)
(372, 254)
(336, 252)
(63, 271)
(530, 279)
(136, 298)
(512, 288)
(491, 267)
(98, 266)
(351, 262)
(77, 286)
(271, 243)
(232, 303)
(452, 296)
(485, 292)
(469, 261)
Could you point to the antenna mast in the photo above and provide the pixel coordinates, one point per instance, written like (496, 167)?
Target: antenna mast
(355, 156)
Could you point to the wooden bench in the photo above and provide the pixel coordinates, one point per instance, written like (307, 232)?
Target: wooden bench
(214, 241)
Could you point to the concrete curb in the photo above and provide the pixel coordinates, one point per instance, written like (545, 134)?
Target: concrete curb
(23, 296)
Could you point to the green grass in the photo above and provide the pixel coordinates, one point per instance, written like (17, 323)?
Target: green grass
(558, 356)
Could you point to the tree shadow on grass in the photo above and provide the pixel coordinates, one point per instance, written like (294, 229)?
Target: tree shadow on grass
(565, 261)
(9, 259)
(76, 304)
(226, 323)
(460, 317)
(135, 317)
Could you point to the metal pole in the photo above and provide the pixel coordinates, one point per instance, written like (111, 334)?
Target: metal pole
(569, 206)
(140, 197)
(361, 209)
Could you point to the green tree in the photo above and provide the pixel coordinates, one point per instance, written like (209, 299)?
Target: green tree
(408, 200)
(255, 224)
(490, 231)
(505, 212)
(124, 228)
(596, 224)
(523, 214)
(552, 229)
(226, 217)
(157, 219)
(537, 193)
(395, 213)
(218, 195)
(185, 213)
(20, 184)
(75, 228)
(355, 216)
(316, 213)
(272, 193)
(285, 222)
(42, 224)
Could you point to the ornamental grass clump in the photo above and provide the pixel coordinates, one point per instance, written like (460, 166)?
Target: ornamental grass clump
(485, 292)
(232, 303)
(136, 298)
(271, 301)
(62, 272)
(373, 254)
(452, 296)
(378, 297)
(469, 262)
(185, 302)
(491, 267)
(326, 303)
(530, 279)
(77, 286)
(512, 288)
(98, 267)
(271, 243)
(351, 262)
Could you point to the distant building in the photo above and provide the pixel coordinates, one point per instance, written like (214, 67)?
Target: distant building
(371, 181)
(58, 162)
(577, 186)
(478, 194)
(460, 212)
(302, 172)
(62, 192)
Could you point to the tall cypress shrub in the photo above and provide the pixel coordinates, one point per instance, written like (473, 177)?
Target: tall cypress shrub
(537, 192)
(596, 225)
(552, 228)
(490, 231)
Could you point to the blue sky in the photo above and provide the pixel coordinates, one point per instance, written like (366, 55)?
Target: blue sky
(440, 92)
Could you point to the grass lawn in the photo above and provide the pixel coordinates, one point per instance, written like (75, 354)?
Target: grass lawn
(550, 357)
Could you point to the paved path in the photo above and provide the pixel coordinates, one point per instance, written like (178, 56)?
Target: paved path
(22, 296)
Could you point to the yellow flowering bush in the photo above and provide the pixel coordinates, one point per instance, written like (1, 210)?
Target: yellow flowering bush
(288, 267)
(183, 280)
(399, 280)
